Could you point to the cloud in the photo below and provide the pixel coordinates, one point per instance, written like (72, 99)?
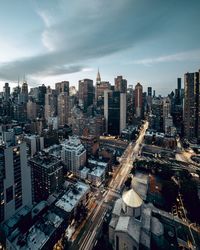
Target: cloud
(78, 31)
(193, 55)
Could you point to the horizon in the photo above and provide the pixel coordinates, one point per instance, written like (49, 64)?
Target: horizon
(147, 42)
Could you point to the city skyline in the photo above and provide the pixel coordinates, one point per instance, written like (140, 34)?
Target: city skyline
(152, 43)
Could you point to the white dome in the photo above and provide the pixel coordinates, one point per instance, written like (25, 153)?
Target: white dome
(132, 199)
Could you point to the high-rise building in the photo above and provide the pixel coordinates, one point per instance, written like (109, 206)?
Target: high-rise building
(6, 92)
(50, 103)
(156, 119)
(15, 180)
(47, 175)
(73, 154)
(114, 111)
(192, 105)
(120, 84)
(23, 96)
(41, 94)
(138, 100)
(31, 109)
(100, 88)
(62, 87)
(149, 91)
(130, 104)
(86, 93)
(63, 108)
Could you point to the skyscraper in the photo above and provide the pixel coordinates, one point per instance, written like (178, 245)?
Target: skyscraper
(120, 84)
(62, 87)
(47, 176)
(86, 93)
(63, 108)
(114, 111)
(192, 105)
(6, 92)
(149, 91)
(15, 180)
(73, 154)
(101, 86)
(23, 97)
(138, 100)
(50, 103)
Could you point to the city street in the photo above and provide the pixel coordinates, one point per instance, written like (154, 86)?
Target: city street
(87, 238)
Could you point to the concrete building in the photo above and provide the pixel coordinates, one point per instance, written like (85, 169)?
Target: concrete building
(63, 108)
(191, 111)
(73, 154)
(138, 100)
(78, 193)
(34, 228)
(6, 92)
(86, 93)
(32, 109)
(15, 179)
(114, 111)
(50, 103)
(35, 144)
(62, 87)
(120, 84)
(47, 175)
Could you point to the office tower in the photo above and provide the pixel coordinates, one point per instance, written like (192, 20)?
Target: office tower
(15, 180)
(23, 96)
(149, 91)
(63, 108)
(192, 105)
(177, 108)
(73, 154)
(35, 143)
(47, 175)
(41, 94)
(149, 99)
(98, 79)
(179, 83)
(50, 103)
(154, 93)
(6, 92)
(114, 111)
(166, 107)
(101, 86)
(130, 104)
(167, 118)
(20, 112)
(138, 100)
(120, 84)
(86, 94)
(178, 93)
(157, 114)
(31, 109)
(62, 87)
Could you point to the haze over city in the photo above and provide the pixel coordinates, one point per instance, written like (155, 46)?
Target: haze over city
(152, 42)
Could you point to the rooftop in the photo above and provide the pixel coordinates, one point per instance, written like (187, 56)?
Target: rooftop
(45, 160)
(98, 171)
(38, 234)
(72, 197)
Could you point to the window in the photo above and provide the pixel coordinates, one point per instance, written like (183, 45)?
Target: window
(9, 194)
(117, 242)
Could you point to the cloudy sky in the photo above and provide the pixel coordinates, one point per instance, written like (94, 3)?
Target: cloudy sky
(147, 41)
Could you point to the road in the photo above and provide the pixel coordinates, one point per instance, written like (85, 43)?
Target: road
(89, 236)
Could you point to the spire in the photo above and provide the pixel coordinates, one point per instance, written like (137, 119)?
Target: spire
(98, 79)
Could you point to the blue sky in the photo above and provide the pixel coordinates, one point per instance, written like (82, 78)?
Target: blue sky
(147, 41)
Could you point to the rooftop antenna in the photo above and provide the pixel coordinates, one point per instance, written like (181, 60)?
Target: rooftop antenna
(18, 81)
